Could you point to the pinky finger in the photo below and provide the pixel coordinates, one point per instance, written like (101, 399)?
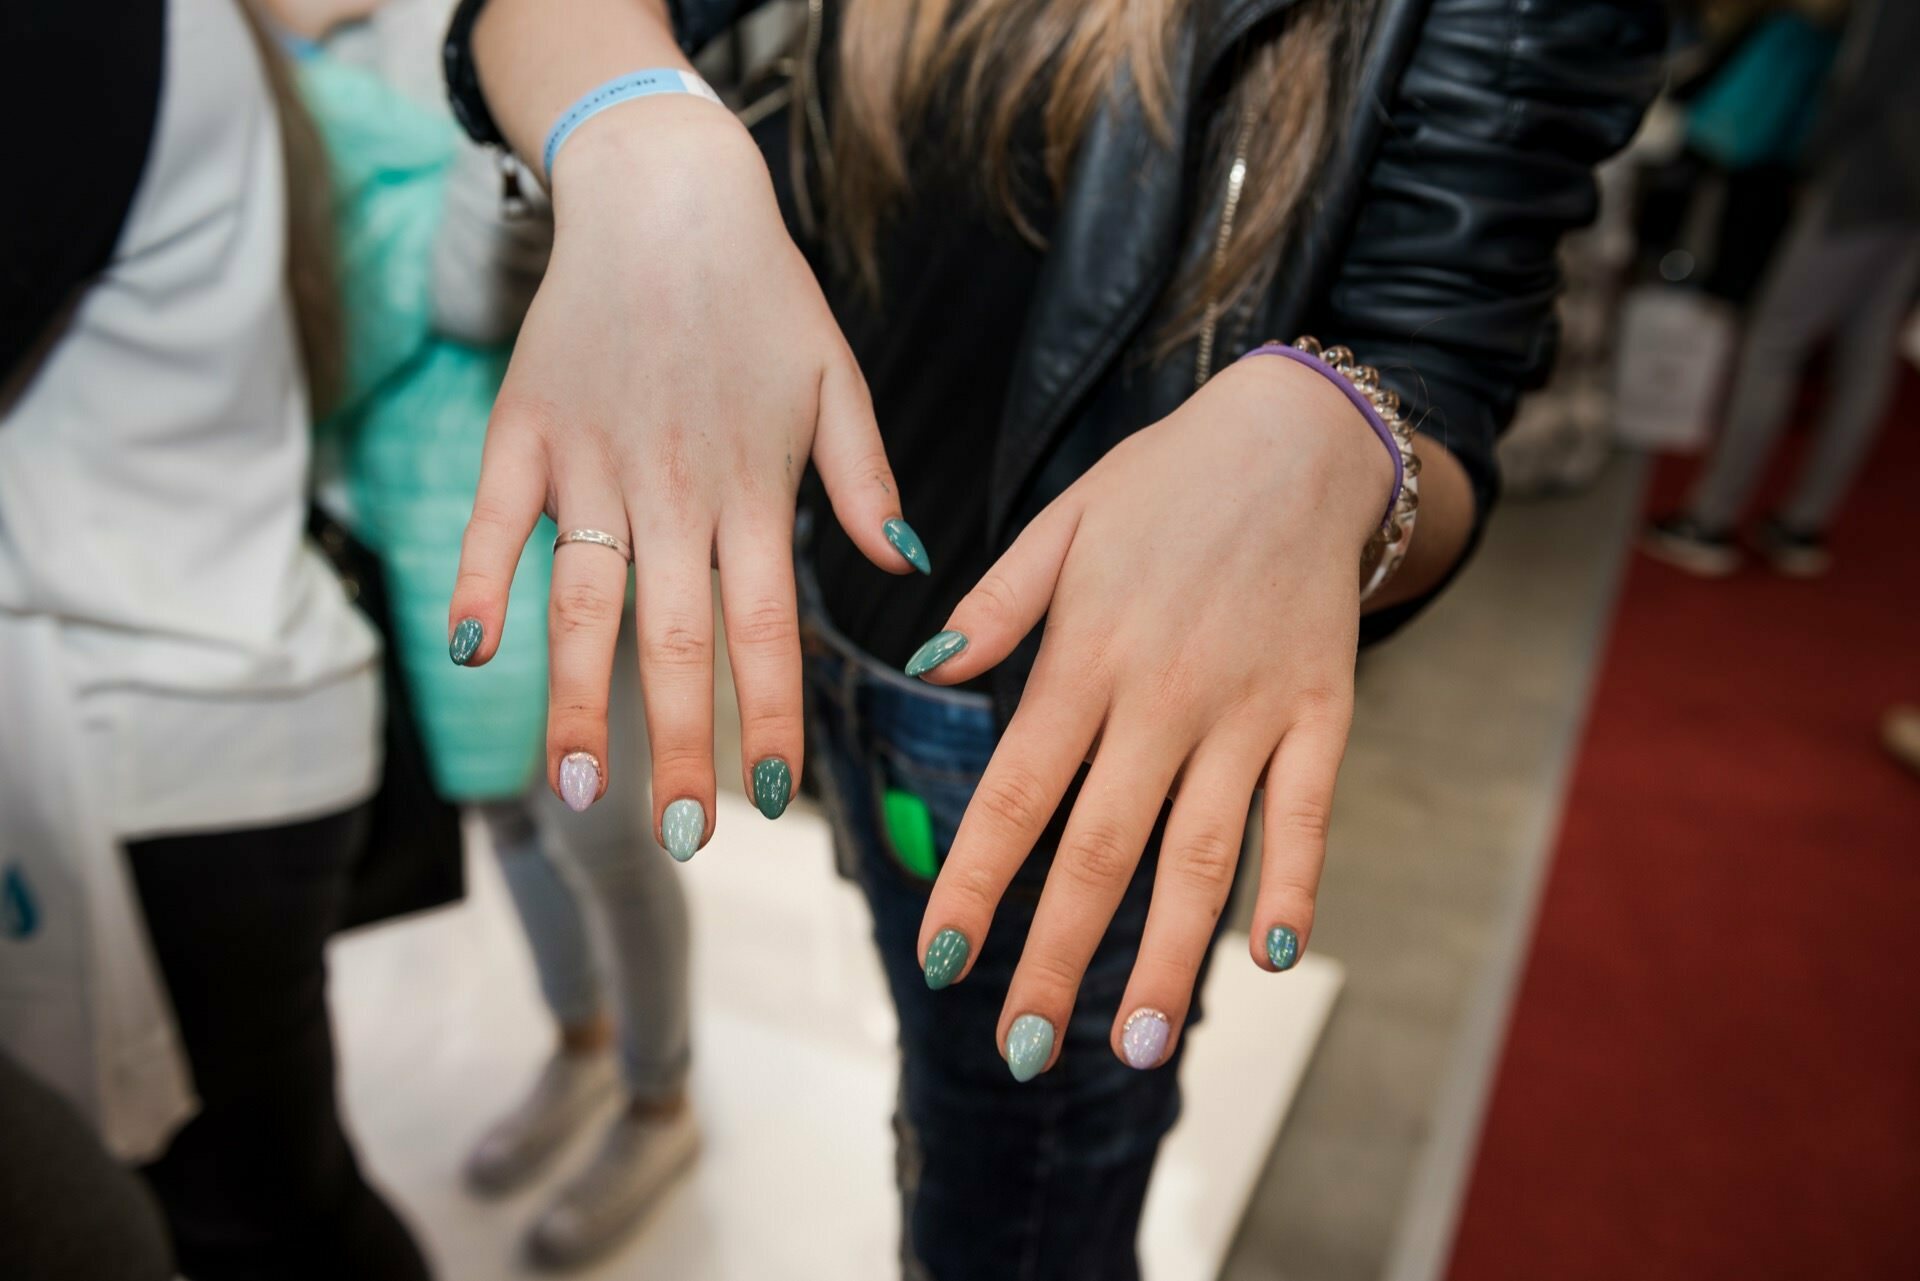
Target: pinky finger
(513, 488)
(1295, 817)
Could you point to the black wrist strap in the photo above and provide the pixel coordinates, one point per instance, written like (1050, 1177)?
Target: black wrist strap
(463, 78)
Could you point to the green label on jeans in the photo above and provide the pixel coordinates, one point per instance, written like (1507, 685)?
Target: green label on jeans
(910, 832)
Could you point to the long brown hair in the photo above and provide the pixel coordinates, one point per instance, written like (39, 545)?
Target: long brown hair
(999, 59)
(313, 277)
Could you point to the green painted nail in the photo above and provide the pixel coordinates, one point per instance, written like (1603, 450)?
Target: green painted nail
(946, 957)
(681, 828)
(772, 786)
(1029, 1043)
(908, 544)
(943, 646)
(1283, 947)
(466, 639)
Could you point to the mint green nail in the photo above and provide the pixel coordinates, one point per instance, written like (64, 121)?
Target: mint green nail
(772, 786)
(946, 957)
(681, 828)
(943, 646)
(466, 639)
(908, 544)
(1029, 1043)
(1283, 947)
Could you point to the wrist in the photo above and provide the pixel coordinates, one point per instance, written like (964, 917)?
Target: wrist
(1325, 434)
(649, 150)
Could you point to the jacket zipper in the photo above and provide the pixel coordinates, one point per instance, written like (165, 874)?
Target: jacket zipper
(1229, 206)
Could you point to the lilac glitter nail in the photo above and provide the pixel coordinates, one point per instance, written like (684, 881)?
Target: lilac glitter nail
(1144, 1038)
(579, 780)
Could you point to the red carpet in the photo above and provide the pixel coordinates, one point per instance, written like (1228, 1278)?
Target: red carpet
(1713, 1067)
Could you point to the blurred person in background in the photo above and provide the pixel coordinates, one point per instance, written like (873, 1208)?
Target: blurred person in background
(437, 273)
(997, 273)
(1847, 273)
(200, 700)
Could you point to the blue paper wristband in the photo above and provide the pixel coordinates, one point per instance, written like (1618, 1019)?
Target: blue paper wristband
(636, 84)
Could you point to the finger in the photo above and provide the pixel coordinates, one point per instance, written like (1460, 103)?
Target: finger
(583, 624)
(1111, 823)
(1012, 804)
(1006, 604)
(1198, 857)
(853, 466)
(513, 488)
(675, 602)
(763, 646)
(1295, 817)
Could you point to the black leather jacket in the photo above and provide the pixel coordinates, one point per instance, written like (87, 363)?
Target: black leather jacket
(1429, 249)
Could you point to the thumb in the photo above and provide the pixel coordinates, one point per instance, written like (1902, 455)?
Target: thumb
(1006, 604)
(853, 466)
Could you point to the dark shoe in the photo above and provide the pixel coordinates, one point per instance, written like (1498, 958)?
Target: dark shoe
(1684, 543)
(1797, 553)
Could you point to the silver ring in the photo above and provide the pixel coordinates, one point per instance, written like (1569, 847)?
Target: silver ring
(597, 538)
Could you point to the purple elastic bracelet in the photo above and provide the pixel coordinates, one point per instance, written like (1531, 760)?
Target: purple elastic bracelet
(1360, 402)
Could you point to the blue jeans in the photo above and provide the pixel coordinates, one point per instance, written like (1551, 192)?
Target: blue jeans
(1035, 1182)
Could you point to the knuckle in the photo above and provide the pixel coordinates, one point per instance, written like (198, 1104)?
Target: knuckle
(574, 708)
(1209, 858)
(674, 643)
(970, 886)
(1170, 970)
(765, 625)
(994, 599)
(1292, 893)
(490, 513)
(679, 759)
(770, 722)
(474, 581)
(1013, 798)
(1320, 706)
(580, 607)
(1098, 855)
(1306, 820)
(1052, 972)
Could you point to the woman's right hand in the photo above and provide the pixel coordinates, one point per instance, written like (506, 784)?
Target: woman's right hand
(676, 372)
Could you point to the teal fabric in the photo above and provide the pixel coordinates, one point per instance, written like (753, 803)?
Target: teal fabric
(410, 428)
(1760, 106)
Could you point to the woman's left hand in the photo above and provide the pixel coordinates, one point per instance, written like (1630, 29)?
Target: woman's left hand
(1201, 591)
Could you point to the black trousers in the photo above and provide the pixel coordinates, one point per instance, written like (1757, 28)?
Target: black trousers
(262, 1183)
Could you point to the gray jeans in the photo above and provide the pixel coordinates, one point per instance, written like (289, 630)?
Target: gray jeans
(601, 901)
(1853, 286)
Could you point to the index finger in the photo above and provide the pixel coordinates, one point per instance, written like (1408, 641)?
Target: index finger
(1035, 762)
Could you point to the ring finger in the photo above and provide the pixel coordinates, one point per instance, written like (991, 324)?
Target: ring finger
(1198, 858)
(583, 624)
(1112, 820)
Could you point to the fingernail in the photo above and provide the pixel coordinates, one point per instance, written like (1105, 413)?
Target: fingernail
(1144, 1039)
(772, 786)
(1283, 947)
(946, 957)
(466, 639)
(579, 780)
(1029, 1042)
(943, 646)
(681, 828)
(908, 544)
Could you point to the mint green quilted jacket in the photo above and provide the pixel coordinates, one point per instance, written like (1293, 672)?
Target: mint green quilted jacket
(408, 434)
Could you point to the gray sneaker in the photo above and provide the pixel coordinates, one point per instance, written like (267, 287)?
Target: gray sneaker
(566, 1093)
(638, 1161)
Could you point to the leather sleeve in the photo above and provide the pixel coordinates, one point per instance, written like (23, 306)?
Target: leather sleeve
(696, 22)
(1485, 159)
